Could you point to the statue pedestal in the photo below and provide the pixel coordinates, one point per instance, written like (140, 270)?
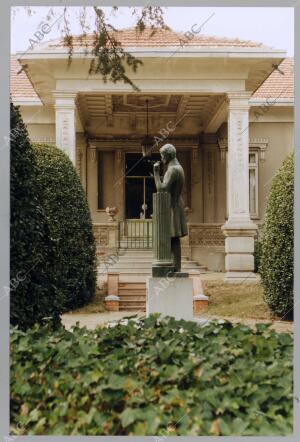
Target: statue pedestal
(170, 296)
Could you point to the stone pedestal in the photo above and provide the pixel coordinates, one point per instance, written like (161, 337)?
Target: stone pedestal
(170, 296)
(112, 303)
(239, 248)
(162, 264)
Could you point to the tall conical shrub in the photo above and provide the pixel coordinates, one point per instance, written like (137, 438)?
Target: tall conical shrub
(277, 247)
(33, 295)
(70, 226)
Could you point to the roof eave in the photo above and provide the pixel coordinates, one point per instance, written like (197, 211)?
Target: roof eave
(271, 101)
(240, 52)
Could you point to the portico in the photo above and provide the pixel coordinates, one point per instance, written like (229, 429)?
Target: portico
(200, 102)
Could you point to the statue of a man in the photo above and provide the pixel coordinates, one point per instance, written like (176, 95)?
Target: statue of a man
(173, 183)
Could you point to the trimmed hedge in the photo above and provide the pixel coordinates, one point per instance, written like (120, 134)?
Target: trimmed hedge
(32, 292)
(152, 377)
(277, 245)
(70, 226)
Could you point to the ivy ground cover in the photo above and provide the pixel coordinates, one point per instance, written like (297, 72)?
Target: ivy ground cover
(153, 377)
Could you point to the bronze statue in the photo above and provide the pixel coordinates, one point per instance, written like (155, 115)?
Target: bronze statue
(173, 182)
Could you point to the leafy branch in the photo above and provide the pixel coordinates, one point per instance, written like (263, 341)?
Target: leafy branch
(110, 59)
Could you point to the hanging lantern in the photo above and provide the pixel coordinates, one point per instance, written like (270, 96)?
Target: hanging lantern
(147, 142)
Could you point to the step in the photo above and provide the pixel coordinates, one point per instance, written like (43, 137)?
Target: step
(134, 286)
(133, 307)
(145, 260)
(132, 299)
(146, 265)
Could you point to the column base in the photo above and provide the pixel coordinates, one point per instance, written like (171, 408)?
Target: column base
(239, 248)
(160, 271)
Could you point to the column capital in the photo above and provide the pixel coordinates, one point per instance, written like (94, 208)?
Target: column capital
(246, 95)
(64, 100)
(238, 100)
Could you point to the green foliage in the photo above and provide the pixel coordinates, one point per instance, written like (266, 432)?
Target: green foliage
(153, 377)
(277, 254)
(70, 226)
(32, 292)
(109, 58)
(257, 255)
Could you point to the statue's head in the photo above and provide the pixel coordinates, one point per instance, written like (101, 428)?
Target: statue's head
(167, 152)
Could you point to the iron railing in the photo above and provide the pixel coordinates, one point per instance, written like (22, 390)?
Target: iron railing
(135, 234)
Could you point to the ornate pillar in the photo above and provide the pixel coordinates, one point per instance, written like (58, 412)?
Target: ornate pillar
(239, 230)
(119, 180)
(163, 263)
(65, 123)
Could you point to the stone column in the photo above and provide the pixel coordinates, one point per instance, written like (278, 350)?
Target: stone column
(163, 263)
(92, 179)
(239, 230)
(65, 123)
(119, 180)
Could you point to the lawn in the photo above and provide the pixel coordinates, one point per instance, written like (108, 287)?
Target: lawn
(237, 300)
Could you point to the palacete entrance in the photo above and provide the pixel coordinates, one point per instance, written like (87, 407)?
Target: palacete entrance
(136, 229)
(139, 185)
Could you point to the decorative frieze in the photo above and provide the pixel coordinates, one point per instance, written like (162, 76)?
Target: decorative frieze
(206, 235)
(259, 144)
(106, 234)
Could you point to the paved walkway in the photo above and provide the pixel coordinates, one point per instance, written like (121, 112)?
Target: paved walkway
(278, 326)
(92, 320)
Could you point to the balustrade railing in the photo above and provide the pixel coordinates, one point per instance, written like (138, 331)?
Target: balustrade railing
(135, 234)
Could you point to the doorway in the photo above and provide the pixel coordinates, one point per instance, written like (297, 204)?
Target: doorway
(139, 185)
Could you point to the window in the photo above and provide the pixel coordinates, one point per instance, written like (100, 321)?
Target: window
(253, 184)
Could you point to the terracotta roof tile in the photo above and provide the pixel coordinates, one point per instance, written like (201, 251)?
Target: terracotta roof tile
(161, 38)
(280, 84)
(20, 86)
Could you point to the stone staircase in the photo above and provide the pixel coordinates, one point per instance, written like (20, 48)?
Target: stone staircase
(130, 270)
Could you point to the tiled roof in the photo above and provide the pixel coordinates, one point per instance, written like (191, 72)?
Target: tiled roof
(162, 38)
(280, 84)
(20, 86)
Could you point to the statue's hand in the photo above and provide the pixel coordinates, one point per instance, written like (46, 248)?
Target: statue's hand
(156, 166)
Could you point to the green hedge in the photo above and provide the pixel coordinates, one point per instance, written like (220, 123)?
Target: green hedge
(149, 377)
(70, 226)
(277, 246)
(257, 255)
(32, 292)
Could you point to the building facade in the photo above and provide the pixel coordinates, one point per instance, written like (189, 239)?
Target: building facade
(226, 105)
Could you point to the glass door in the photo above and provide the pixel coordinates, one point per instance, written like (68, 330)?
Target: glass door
(139, 185)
